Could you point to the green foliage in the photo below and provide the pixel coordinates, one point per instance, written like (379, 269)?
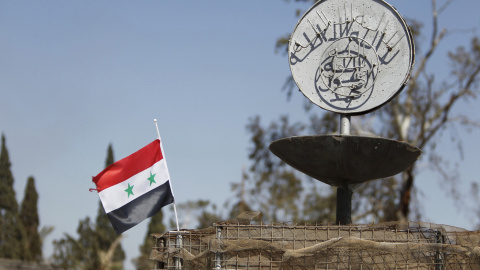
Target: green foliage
(103, 229)
(197, 214)
(240, 193)
(12, 236)
(87, 245)
(12, 233)
(44, 232)
(63, 256)
(155, 226)
(81, 253)
(7, 194)
(97, 245)
(110, 159)
(277, 190)
(475, 195)
(30, 220)
(84, 253)
(105, 234)
(283, 194)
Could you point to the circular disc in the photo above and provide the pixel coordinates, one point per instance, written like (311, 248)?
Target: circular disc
(351, 56)
(343, 159)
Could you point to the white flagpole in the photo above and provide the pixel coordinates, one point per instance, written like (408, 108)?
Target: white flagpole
(163, 153)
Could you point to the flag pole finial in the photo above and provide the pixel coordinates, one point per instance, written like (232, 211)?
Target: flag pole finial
(156, 126)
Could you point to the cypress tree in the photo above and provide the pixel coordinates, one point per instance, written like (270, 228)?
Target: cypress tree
(30, 220)
(110, 159)
(7, 194)
(81, 253)
(155, 226)
(12, 235)
(87, 246)
(104, 231)
(94, 240)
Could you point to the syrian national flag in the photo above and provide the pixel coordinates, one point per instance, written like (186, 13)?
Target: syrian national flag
(135, 188)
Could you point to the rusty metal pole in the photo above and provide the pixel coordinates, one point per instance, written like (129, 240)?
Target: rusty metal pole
(344, 191)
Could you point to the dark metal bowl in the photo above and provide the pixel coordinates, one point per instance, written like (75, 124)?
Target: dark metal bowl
(344, 159)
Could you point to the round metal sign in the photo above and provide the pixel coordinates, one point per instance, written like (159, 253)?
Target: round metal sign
(351, 56)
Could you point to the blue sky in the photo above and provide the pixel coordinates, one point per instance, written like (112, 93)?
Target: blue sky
(76, 76)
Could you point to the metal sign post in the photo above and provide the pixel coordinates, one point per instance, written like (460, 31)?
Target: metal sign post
(349, 57)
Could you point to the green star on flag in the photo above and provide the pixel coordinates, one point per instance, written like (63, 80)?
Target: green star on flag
(152, 178)
(129, 190)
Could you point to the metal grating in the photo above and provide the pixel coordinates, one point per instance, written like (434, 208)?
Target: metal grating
(261, 247)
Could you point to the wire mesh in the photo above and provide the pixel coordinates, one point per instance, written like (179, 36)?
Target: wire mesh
(393, 245)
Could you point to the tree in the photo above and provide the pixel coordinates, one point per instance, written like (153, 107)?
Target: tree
(240, 193)
(277, 190)
(97, 246)
(81, 253)
(154, 226)
(417, 115)
(202, 213)
(12, 234)
(475, 195)
(30, 220)
(105, 234)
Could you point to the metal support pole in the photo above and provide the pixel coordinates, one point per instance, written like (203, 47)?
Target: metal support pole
(344, 192)
(344, 205)
(160, 244)
(218, 255)
(439, 255)
(179, 245)
(344, 124)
